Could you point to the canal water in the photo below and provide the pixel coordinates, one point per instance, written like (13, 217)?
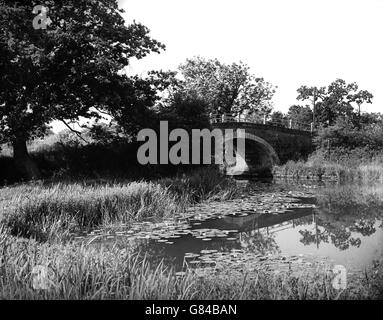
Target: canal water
(340, 224)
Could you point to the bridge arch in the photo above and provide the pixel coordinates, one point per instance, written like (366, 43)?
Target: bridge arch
(267, 144)
(259, 156)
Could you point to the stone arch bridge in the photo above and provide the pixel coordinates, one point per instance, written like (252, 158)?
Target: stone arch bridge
(266, 144)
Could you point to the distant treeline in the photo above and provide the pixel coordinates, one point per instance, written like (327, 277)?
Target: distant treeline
(68, 156)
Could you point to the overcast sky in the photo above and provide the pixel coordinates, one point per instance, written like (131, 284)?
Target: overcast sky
(288, 42)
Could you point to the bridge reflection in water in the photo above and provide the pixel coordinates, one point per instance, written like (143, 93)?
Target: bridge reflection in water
(266, 224)
(255, 232)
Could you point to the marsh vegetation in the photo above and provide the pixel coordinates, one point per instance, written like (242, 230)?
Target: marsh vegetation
(113, 240)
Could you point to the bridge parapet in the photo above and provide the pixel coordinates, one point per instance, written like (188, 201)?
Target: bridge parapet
(269, 126)
(285, 123)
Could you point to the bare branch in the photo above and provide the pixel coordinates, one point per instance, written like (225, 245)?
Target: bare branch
(78, 133)
(103, 112)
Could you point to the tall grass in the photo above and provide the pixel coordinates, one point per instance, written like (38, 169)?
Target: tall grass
(203, 184)
(43, 212)
(78, 272)
(347, 167)
(55, 211)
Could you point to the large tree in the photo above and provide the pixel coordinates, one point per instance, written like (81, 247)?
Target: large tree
(70, 69)
(337, 100)
(227, 88)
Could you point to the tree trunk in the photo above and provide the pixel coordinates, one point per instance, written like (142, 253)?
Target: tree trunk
(23, 162)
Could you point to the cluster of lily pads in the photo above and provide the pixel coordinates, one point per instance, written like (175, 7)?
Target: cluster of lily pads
(253, 203)
(190, 223)
(210, 262)
(164, 232)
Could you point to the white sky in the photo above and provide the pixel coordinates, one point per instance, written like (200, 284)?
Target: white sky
(288, 42)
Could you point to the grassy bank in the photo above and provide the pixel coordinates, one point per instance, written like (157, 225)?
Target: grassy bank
(54, 211)
(348, 166)
(75, 272)
(38, 220)
(372, 172)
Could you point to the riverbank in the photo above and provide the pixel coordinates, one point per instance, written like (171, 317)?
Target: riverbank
(42, 261)
(319, 169)
(360, 164)
(329, 172)
(78, 272)
(56, 210)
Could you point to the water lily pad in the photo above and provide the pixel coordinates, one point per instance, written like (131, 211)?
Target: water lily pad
(191, 255)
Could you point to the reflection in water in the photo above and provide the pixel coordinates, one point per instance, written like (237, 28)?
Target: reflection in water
(346, 226)
(346, 214)
(341, 223)
(258, 242)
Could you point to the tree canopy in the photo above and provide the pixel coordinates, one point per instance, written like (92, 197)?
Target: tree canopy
(336, 100)
(300, 114)
(227, 87)
(69, 70)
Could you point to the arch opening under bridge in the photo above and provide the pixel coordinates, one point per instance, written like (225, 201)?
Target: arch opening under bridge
(259, 156)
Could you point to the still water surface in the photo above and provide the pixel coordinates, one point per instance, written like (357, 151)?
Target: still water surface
(340, 223)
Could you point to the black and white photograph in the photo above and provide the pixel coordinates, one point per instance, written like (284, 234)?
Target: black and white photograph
(205, 151)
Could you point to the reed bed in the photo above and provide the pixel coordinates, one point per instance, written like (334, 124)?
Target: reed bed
(43, 212)
(56, 211)
(79, 272)
(333, 171)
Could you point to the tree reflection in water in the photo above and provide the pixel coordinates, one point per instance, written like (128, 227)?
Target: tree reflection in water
(256, 241)
(344, 214)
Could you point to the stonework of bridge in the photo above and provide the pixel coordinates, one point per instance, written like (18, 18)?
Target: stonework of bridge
(266, 145)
